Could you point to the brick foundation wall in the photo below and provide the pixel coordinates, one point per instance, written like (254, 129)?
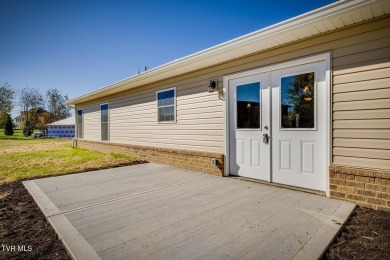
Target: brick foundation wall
(192, 160)
(365, 187)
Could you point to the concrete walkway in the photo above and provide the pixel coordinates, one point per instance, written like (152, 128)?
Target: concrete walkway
(153, 211)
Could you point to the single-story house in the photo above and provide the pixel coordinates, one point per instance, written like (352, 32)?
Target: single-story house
(302, 103)
(62, 128)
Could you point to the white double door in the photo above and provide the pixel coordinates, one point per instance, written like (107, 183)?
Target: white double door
(278, 125)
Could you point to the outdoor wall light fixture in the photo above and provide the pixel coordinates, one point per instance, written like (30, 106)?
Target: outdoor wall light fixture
(212, 85)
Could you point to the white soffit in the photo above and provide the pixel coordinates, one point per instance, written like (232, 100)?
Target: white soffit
(331, 17)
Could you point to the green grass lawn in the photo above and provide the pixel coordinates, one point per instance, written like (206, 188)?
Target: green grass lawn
(19, 140)
(25, 158)
(18, 134)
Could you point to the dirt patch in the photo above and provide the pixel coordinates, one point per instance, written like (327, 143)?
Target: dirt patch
(31, 147)
(365, 236)
(22, 224)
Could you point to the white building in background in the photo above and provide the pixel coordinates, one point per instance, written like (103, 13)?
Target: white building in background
(18, 122)
(62, 128)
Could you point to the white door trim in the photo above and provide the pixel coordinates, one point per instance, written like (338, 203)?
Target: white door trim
(320, 57)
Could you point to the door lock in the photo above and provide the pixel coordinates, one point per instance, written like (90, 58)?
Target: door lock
(265, 138)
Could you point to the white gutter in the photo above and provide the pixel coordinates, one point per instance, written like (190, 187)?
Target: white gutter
(325, 19)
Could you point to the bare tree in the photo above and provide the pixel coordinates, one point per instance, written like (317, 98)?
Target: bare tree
(31, 100)
(7, 95)
(56, 106)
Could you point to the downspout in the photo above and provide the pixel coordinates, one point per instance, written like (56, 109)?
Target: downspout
(74, 139)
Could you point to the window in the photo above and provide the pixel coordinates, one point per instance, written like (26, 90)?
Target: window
(104, 122)
(166, 105)
(297, 101)
(80, 124)
(248, 105)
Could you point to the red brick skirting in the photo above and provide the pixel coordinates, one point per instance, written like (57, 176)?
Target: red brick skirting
(192, 160)
(365, 187)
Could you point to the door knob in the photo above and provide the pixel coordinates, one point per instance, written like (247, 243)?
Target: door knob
(265, 138)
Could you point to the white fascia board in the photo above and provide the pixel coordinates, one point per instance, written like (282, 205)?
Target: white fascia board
(239, 47)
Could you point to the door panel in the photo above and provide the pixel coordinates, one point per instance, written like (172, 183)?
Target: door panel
(285, 155)
(255, 152)
(307, 156)
(249, 114)
(299, 126)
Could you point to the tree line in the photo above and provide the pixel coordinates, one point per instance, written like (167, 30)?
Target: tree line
(37, 109)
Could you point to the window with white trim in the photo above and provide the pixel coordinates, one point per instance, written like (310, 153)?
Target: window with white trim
(166, 105)
(104, 122)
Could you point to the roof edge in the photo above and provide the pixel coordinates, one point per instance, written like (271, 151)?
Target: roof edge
(152, 74)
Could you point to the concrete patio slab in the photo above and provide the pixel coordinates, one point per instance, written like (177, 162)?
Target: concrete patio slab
(153, 211)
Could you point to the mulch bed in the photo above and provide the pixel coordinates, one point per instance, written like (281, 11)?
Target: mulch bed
(23, 224)
(366, 235)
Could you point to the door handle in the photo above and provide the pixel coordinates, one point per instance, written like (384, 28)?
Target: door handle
(265, 138)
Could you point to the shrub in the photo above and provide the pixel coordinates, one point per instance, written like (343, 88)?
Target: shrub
(8, 127)
(27, 131)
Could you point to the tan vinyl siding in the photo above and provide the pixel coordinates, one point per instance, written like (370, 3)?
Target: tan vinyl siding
(361, 69)
(362, 114)
(364, 85)
(361, 162)
(361, 103)
(133, 119)
(380, 134)
(362, 153)
(91, 122)
(363, 143)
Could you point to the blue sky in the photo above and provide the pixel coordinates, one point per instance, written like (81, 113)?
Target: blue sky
(80, 46)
